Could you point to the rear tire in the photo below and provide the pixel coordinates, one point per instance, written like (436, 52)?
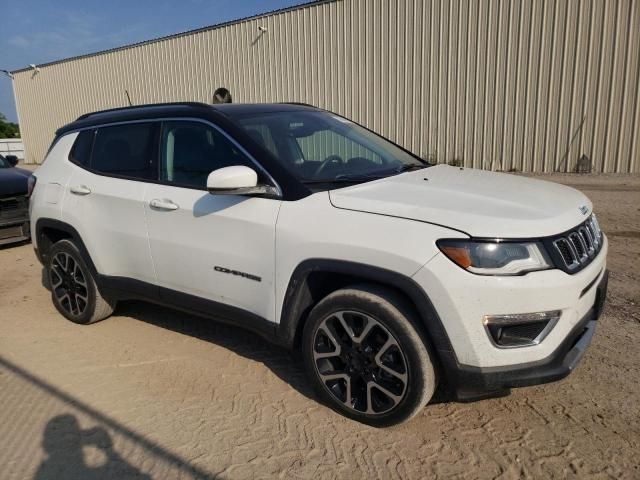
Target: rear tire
(73, 289)
(365, 354)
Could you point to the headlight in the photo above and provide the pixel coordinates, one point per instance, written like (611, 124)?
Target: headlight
(496, 258)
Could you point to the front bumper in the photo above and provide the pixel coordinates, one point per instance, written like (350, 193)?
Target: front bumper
(14, 232)
(462, 300)
(468, 383)
(14, 225)
(14, 220)
(472, 365)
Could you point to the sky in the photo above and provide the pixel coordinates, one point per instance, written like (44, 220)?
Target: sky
(42, 31)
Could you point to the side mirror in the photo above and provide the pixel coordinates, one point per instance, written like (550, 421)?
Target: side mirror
(237, 180)
(12, 159)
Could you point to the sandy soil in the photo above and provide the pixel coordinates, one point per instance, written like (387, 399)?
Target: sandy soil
(155, 393)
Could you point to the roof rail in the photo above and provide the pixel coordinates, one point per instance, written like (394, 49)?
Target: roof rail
(135, 107)
(302, 104)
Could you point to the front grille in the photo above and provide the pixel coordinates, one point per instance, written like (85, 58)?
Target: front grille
(11, 232)
(13, 207)
(9, 204)
(579, 246)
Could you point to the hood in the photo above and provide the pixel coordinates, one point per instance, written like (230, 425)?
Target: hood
(13, 181)
(476, 202)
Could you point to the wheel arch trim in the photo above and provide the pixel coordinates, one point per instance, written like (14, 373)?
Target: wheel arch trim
(45, 223)
(293, 308)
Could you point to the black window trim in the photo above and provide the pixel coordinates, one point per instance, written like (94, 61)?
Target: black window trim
(156, 152)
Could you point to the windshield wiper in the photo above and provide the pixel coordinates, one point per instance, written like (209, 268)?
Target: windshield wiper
(347, 178)
(411, 168)
(340, 179)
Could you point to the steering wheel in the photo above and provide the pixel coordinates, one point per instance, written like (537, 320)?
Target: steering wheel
(331, 160)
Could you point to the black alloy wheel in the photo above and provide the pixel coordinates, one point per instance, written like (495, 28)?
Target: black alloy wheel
(68, 284)
(73, 288)
(360, 362)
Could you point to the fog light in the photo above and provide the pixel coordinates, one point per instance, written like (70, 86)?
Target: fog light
(520, 329)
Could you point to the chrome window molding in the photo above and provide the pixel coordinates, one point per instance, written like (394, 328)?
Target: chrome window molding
(259, 166)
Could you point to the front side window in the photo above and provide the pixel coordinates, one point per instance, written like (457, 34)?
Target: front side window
(4, 163)
(190, 151)
(319, 147)
(126, 151)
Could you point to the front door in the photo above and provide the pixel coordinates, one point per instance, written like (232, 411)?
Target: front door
(216, 247)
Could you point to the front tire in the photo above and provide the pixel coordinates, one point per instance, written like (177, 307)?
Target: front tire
(73, 288)
(366, 357)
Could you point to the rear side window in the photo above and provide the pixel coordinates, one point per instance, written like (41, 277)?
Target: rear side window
(125, 150)
(81, 150)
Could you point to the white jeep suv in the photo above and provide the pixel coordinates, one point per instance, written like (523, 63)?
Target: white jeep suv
(391, 276)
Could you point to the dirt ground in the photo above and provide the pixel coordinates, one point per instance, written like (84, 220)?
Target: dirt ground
(155, 393)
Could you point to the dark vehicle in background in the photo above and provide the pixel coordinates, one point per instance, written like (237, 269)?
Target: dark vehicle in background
(14, 201)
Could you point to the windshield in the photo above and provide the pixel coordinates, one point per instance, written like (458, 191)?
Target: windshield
(4, 163)
(319, 147)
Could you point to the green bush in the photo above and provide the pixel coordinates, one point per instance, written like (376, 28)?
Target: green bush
(8, 129)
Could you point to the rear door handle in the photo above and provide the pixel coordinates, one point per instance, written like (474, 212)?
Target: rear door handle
(163, 204)
(80, 190)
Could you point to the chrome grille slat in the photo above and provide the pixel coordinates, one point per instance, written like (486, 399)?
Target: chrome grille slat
(595, 229)
(576, 241)
(567, 252)
(588, 240)
(580, 245)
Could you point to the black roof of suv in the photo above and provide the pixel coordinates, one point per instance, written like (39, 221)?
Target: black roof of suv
(223, 115)
(181, 109)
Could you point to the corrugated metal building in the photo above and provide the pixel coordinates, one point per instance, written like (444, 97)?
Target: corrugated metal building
(528, 85)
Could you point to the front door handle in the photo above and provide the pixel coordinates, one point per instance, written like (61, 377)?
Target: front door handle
(80, 190)
(163, 204)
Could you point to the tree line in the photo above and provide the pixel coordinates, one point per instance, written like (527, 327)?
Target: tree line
(8, 129)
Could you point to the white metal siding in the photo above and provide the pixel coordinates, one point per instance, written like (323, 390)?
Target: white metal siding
(526, 85)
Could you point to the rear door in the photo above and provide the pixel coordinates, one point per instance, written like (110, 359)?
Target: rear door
(105, 197)
(216, 247)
